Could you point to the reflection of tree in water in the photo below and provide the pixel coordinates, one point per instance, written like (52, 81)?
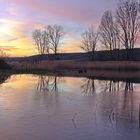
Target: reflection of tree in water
(129, 87)
(48, 83)
(120, 102)
(128, 94)
(116, 103)
(116, 86)
(3, 77)
(112, 86)
(128, 104)
(88, 87)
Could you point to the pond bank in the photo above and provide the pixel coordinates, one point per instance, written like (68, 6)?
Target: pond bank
(130, 76)
(78, 65)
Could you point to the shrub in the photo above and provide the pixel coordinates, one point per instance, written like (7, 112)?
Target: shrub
(4, 65)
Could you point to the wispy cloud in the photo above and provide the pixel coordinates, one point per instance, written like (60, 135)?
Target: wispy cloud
(8, 48)
(21, 17)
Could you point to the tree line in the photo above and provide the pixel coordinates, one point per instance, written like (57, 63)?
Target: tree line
(117, 30)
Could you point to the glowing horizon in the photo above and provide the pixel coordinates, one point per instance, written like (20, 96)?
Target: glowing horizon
(19, 18)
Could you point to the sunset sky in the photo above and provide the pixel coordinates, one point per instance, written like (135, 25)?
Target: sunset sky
(18, 19)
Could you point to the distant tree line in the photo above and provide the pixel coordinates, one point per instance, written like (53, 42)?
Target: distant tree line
(117, 30)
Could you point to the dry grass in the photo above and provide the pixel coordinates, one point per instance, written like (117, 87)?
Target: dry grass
(61, 65)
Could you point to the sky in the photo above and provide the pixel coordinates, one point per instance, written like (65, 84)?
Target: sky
(19, 18)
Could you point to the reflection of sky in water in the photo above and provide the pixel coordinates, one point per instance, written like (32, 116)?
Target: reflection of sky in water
(23, 82)
(30, 108)
(71, 85)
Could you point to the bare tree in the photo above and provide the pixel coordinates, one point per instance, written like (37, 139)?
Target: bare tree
(89, 41)
(109, 32)
(128, 19)
(41, 39)
(55, 35)
(3, 54)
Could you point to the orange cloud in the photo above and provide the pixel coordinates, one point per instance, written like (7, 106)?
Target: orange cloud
(23, 42)
(71, 46)
(8, 48)
(12, 35)
(17, 31)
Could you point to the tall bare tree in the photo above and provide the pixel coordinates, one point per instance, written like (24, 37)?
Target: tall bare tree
(128, 19)
(109, 31)
(41, 39)
(55, 33)
(89, 41)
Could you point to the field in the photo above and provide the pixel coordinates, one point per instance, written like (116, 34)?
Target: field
(78, 65)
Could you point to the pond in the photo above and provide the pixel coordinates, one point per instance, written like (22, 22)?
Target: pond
(52, 107)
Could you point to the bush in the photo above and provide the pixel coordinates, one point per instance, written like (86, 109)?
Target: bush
(4, 65)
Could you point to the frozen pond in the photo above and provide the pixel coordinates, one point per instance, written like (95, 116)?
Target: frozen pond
(41, 107)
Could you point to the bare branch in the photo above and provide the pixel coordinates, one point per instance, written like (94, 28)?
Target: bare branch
(109, 31)
(55, 35)
(89, 40)
(128, 19)
(41, 39)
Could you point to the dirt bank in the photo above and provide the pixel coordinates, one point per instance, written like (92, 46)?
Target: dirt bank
(88, 65)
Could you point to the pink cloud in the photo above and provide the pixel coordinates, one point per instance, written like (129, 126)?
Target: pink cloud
(12, 11)
(77, 13)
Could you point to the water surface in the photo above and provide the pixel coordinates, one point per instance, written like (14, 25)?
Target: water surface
(41, 107)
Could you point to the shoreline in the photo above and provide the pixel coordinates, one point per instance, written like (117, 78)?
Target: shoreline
(129, 76)
(56, 65)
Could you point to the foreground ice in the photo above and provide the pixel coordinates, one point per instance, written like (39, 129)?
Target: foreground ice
(53, 108)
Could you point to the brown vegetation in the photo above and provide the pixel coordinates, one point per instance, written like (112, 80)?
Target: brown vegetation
(79, 65)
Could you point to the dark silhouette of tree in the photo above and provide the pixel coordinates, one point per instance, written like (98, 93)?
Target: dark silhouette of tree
(89, 41)
(49, 39)
(41, 39)
(55, 33)
(128, 20)
(109, 31)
